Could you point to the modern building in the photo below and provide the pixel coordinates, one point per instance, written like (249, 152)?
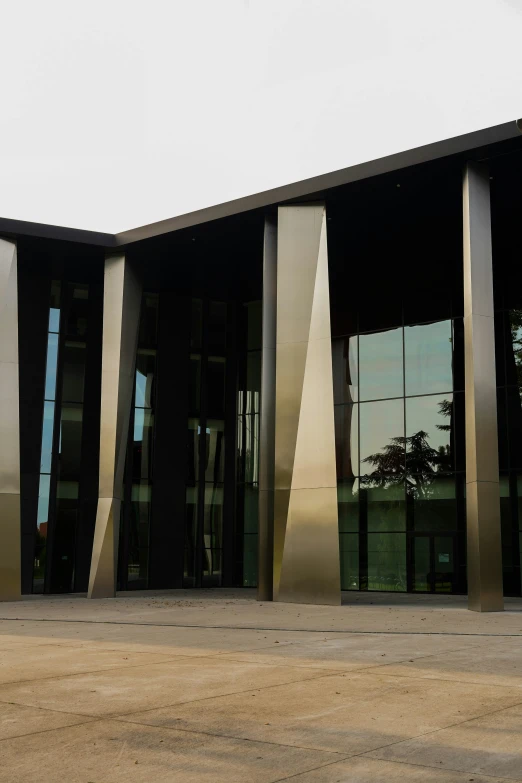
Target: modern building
(308, 390)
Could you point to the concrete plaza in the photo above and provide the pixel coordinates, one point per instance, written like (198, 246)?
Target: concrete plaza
(214, 686)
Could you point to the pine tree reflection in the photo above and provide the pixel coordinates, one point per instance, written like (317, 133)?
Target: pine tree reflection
(413, 460)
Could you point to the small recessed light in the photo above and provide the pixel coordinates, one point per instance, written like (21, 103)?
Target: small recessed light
(398, 184)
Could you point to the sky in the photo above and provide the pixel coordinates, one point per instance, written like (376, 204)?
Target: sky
(115, 114)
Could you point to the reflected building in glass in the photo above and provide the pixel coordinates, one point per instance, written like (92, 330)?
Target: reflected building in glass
(210, 444)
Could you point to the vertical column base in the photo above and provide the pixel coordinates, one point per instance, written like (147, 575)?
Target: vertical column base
(102, 582)
(485, 591)
(10, 563)
(310, 571)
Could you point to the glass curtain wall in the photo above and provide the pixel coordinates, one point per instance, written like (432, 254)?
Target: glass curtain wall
(508, 326)
(506, 205)
(399, 423)
(206, 445)
(62, 430)
(248, 410)
(136, 509)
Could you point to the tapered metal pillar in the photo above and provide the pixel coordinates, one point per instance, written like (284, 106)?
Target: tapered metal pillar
(10, 558)
(484, 562)
(265, 590)
(306, 537)
(121, 312)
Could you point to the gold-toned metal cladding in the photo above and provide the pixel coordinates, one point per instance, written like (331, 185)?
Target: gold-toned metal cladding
(306, 538)
(10, 556)
(267, 424)
(484, 562)
(121, 312)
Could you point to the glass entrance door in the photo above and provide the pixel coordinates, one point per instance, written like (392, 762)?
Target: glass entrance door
(432, 564)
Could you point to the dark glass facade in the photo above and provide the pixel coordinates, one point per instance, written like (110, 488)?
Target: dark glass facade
(189, 516)
(400, 457)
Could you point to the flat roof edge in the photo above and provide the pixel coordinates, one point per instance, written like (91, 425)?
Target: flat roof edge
(14, 228)
(306, 187)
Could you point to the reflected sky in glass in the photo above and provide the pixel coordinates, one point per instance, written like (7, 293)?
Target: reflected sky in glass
(54, 320)
(43, 499)
(429, 415)
(47, 437)
(381, 422)
(50, 370)
(428, 358)
(381, 365)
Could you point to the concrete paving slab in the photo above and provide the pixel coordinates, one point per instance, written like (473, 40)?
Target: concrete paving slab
(495, 662)
(121, 690)
(113, 752)
(41, 662)
(349, 713)
(170, 640)
(490, 745)
(364, 770)
(359, 651)
(16, 720)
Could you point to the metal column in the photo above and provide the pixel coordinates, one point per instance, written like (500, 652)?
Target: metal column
(10, 556)
(306, 535)
(121, 313)
(265, 591)
(484, 563)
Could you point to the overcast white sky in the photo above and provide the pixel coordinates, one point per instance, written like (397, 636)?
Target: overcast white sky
(117, 113)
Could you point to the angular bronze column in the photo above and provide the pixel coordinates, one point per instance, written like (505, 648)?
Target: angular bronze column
(121, 314)
(306, 536)
(10, 562)
(485, 593)
(265, 589)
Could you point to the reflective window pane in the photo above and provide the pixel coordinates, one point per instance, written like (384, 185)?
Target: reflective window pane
(191, 533)
(444, 575)
(345, 370)
(43, 502)
(251, 506)
(73, 371)
(145, 371)
(250, 547)
(349, 556)
(428, 358)
(54, 319)
(47, 437)
(381, 365)
(194, 383)
(385, 503)
(348, 506)
(421, 566)
(51, 367)
(347, 441)
(217, 328)
(432, 502)
(429, 434)
(143, 443)
(216, 387)
(387, 562)
(381, 443)
(148, 334)
(78, 310)
(215, 451)
(514, 349)
(255, 311)
(70, 449)
(514, 427)
(193, 451)
(196, 315)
